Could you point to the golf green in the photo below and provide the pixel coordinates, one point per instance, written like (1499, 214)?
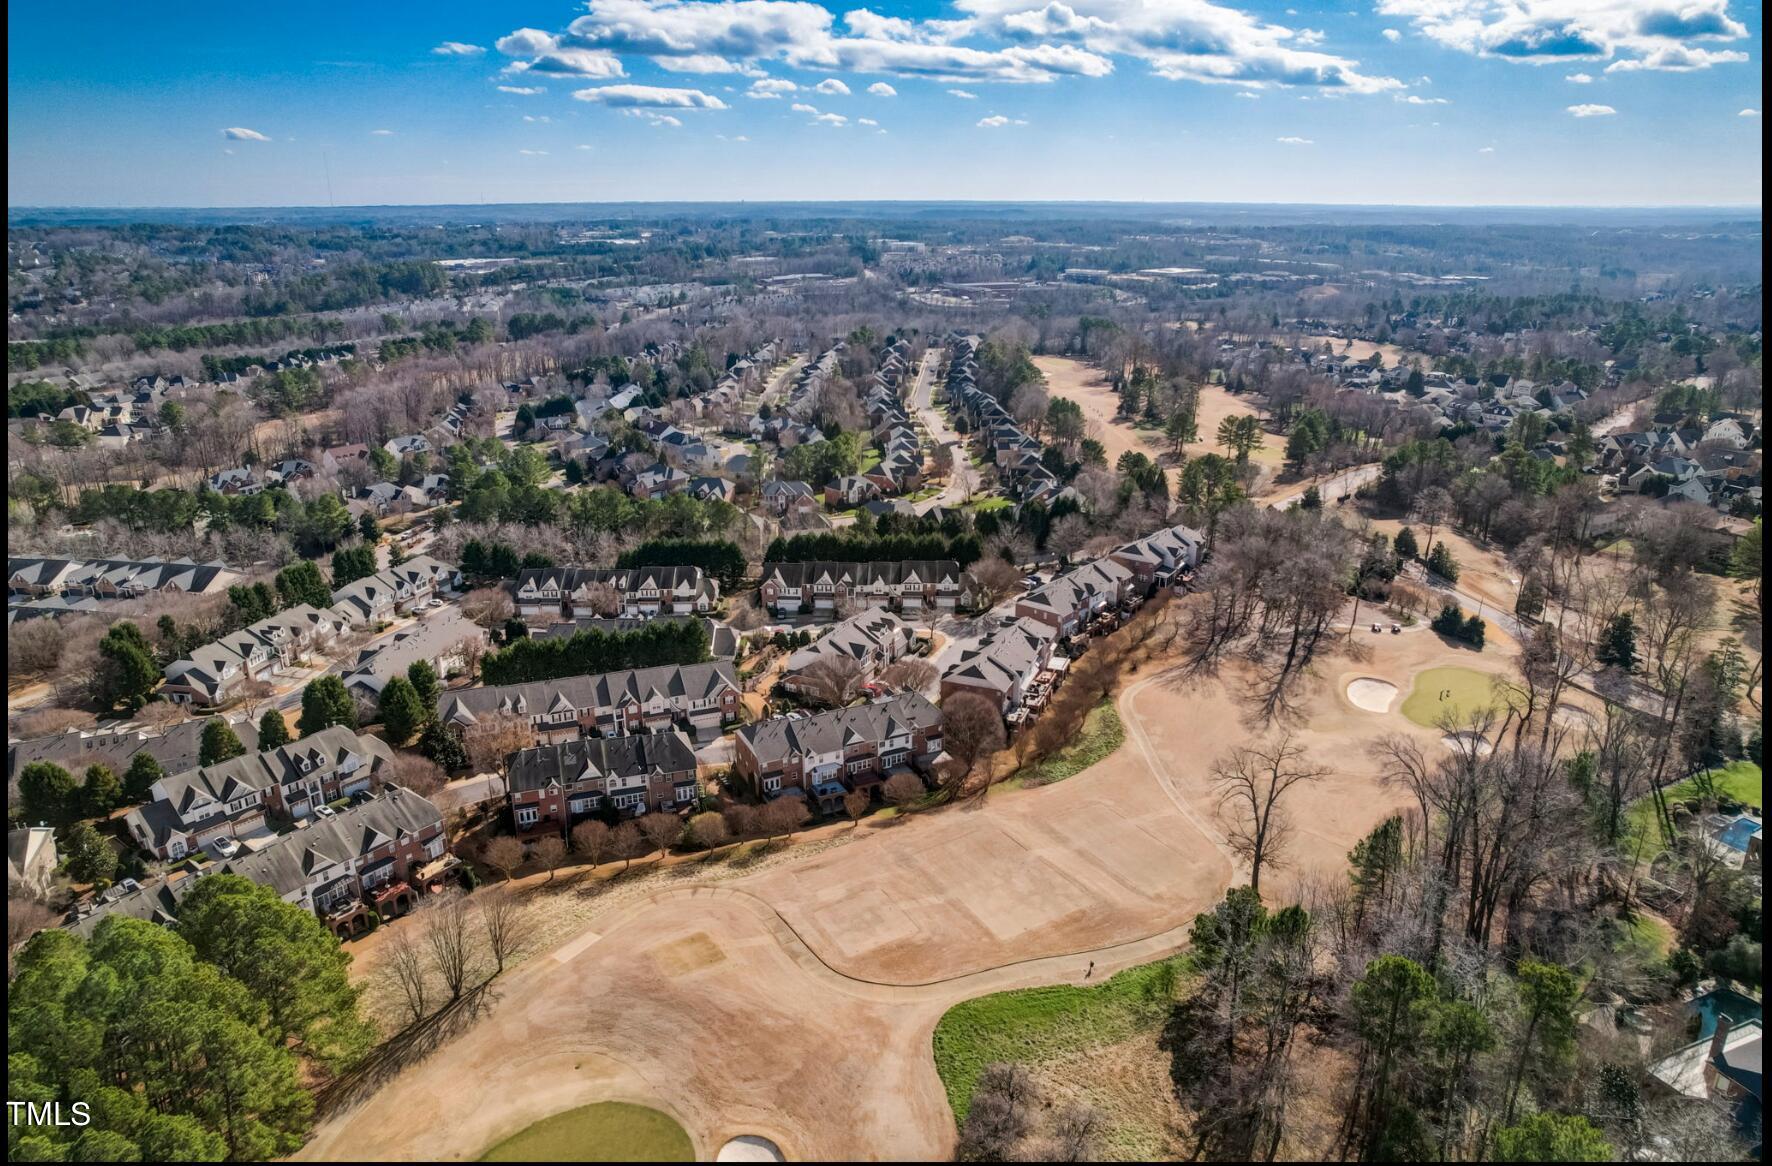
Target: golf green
(609, 1131)
(1464, 691)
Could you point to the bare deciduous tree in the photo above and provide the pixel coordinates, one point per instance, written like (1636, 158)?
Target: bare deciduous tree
(971, 730)
(912, 674)
(503, 854)
(489, 607)
(1250, 782)
(659, 830)
(492, 741)
(550, 852)
(592, 841)
(449, 940)
(417, 773)
(855, 805)
(510, 927)
(833, 679)
(707, 831)
(785, 815)
(902, 789)
(411, 976)
(993, 580)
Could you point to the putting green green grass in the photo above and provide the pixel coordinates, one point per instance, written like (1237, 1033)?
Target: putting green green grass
(609, 1131)
(1466, 691)
(1032, 1025)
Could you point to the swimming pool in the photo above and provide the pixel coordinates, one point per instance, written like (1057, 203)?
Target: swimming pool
(1723, 1002)
(1735, 836)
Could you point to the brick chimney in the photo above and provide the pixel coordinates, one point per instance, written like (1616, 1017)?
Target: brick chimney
(1720, 1036)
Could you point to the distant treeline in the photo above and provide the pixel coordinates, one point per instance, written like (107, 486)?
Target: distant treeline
(842, 548)
(591, 650)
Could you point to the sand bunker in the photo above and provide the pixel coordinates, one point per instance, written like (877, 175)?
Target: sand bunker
(1465, 740)
(749, 1148)
(1373, 695)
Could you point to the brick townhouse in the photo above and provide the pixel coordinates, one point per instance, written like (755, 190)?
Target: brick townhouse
(827, 755)
(557, 786)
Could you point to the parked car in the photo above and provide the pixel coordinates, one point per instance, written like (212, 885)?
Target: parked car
(325, 812)
(226, 847)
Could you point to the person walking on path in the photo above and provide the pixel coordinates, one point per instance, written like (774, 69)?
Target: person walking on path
(1091, 970)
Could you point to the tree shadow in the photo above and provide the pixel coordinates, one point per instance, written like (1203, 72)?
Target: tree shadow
(404, 1049)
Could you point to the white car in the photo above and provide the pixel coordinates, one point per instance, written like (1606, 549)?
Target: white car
(325, 811)
(226, 847)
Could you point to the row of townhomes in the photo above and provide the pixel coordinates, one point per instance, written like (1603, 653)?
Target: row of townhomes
(380, 856)
(699, 697)
(1714, 465)
(1015, 454)
(855, 649)
(639, 591)
(212, 674)
(900, 470)
(1017, 668)
(824, 756)
(45, 586)
(217, 806)
(553, 787)
(908, 586)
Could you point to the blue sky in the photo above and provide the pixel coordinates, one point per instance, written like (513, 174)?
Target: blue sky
(1462, 102)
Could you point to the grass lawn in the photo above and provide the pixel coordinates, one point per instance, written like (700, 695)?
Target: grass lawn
(1739, 780)
(994, 502)
(1468, 692)
(610, 1131)
(1103, 732)
(1038, 1024)
(870, 458)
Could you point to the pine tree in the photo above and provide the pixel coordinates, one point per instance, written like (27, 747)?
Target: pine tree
(273, 730)
(1618, 644)
(220, 743)
(132, 673)
(424, 683)
(102, 792)
(90, 857)
(401, 712)
(1405, 545)
(144, 770)
(326, 702)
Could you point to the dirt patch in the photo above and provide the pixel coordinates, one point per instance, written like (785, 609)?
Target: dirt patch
(689, 954)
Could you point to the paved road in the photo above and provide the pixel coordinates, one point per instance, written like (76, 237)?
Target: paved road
(1334, 489)
(469, 791)
(962, 482)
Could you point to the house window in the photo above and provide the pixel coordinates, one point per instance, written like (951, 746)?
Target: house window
(527, 815)
(771, 784)
(864, 764)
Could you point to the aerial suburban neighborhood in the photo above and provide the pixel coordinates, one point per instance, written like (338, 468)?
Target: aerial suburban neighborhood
(741, 581)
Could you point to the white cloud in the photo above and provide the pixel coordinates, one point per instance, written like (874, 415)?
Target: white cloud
(770, 89)
(1293, 141)
(653, 117)
(533, 117)
(454, 48)
(997, 121)
(526, 42)
(522, 90)
(963, 95)
(1485, 149)
(832, 87)
(1184, 40)
(881, 89)
(802, 107)
(831, 119)
(1580, 78)
(1592, 110)
(648, 97)
(741, 138)
(1247, 94)
(571, 63)
(382, 133)
(1748, 113)
(584, 146)
(242, 134)
(994, 40)
(705, 63)
(1392, 35)
(866, 121)
(534, 153)
(1658, 35)
(1412, 99)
